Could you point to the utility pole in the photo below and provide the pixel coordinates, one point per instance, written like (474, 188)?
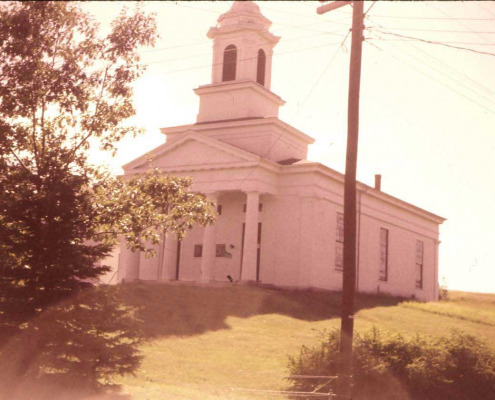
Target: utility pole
(344, 382)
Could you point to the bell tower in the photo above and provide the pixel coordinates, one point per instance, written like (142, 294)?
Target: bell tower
(241, 70)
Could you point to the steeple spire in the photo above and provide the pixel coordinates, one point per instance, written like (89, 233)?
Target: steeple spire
(242, 45)
(242, 59)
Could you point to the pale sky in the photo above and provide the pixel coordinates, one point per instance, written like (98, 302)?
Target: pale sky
(427, 111)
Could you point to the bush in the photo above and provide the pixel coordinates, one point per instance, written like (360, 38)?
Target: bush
(456, 367)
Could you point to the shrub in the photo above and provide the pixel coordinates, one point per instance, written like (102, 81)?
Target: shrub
(456, 367)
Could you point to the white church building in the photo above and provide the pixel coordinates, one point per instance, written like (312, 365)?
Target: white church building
(280, 216)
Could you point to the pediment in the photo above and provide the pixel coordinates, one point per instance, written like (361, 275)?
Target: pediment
(193, 151)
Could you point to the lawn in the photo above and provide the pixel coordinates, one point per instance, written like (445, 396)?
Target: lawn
(233, 342)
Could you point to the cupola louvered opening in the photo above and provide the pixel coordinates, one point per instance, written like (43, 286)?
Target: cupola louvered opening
(229, 63)
(260, 74)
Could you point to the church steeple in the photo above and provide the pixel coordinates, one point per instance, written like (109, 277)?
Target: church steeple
(242, 45)
(241, 70)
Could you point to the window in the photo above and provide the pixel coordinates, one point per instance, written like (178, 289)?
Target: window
(221, 250)
(260, 73)
(339, 243)
(198, 250)
(419, 263)
(219, 209)
(229, 63)
(383, 273)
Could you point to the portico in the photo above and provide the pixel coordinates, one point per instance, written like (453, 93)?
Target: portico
(230, 247)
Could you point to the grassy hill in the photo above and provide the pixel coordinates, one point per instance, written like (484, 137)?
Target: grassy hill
(210, 342)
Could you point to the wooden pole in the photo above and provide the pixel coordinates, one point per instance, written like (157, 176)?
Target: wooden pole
(344, 382)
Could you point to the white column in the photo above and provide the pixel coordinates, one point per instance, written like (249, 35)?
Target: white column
(250, 249)
(169, 263)
(128, 263)
(209, 248)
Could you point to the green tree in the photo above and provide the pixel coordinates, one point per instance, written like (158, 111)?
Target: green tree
(63, 87)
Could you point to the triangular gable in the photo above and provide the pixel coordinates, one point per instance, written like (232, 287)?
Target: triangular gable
(193, 150)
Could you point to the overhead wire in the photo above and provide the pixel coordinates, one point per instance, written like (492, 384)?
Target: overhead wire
(245, 59)
(457, 21)
(441, 30)
(433, 18)
(369, 9)
(444, 74)
(484, 9)
(450, 67)
(447, 76)
(437, 43)
(436, 80)
(209, 53)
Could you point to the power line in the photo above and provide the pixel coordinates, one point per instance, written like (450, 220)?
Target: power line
(443, 42)
(437, 43)
(441, 30)
(244, 59)
(209, 53)
(440, 82)
(484, 9)
(369, 9)
(434, 18)
(457, 21)
(443, 74)
(302, 15)
(446, 65)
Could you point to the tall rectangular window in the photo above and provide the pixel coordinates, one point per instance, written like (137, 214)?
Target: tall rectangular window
(383, 273)
(198, 250)
(419, 263)
(339, 243)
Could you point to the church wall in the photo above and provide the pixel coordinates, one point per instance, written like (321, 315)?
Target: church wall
(325, 276)
(190, 266)
(319, 206)
(268, 238)
(287, 220)
(229, 232)
(401, 261)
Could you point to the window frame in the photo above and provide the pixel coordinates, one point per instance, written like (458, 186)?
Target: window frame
(229, 64)
(261, 67)
(383, 273)
(198, 250)
(339, 242)
(419, 283)
(220, 250)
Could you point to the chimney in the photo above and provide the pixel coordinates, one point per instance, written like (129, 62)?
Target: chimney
(378, 182)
